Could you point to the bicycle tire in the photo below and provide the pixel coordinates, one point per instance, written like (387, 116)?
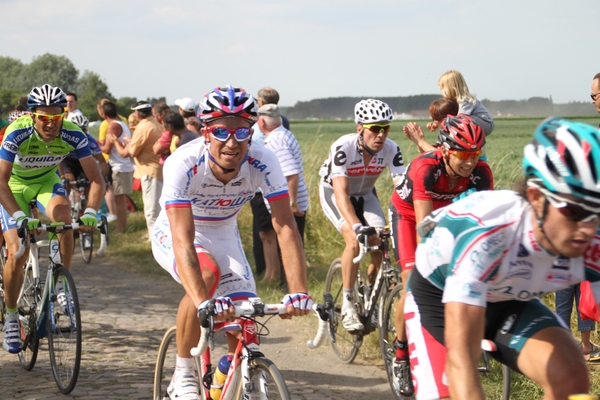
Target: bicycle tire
(346, 345)
(165, 362)
(64, 333)
(267, 382)
(2, 298)
(29, 301)
(387, 333)
(86, 252)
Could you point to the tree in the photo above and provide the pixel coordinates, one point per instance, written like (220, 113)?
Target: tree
(124, 105)
(53, 70)
(90, 89)
(12, 74)
(8, 100)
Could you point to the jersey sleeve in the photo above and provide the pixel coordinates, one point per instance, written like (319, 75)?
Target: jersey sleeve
(272, 182)
(339, 159)
(396, 161)
(180, 172)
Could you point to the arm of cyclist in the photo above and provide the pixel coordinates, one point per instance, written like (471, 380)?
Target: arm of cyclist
(292, 253)
(422, 209)
(102, 164)
(97, 189)
(8, 201)
(463, 333)
(182, 229)
(65, 173)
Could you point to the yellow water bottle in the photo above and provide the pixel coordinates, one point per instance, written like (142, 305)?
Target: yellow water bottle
(583, 396)
(219, 378)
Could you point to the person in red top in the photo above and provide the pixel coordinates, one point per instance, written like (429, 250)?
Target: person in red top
(432, 180)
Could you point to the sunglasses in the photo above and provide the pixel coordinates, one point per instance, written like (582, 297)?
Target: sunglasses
(465, 155)
(594, 96)
(571, 211)
(222, 134)
(49, 117)
(378, 128)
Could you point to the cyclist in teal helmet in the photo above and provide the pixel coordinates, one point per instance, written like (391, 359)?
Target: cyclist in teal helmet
(485, 261)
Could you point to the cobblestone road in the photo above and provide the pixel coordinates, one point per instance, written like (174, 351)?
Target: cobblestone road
(124, 317)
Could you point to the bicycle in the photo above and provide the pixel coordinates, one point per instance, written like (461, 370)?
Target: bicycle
(48, 307)
(369, 300)
(251, 375)
(78, 199)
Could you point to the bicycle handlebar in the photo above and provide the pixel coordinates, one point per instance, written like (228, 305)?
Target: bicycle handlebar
(253, 307)
(363, 241)
(325, 313)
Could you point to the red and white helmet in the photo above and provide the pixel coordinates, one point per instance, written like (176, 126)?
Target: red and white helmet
(370, 111)
(228, 101)
(461, 133)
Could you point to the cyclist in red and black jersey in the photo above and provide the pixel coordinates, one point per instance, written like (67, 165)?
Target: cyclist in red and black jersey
(432, 180)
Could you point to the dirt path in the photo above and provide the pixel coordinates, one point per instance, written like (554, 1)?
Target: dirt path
(124, 317)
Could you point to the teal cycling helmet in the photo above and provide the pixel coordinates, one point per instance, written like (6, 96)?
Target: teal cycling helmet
(564, 158)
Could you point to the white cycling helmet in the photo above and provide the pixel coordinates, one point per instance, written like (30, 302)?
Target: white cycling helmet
(370, 111)
(80, 120)
(47, 96)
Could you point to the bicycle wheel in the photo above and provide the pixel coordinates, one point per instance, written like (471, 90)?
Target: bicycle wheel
(346, 344)
(266, 382)
(86, 242)
(64, 331)
(387, 333)
(165, 364)
(29, 301)
(505, 382)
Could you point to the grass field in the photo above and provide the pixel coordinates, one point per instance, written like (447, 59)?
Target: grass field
(323, 243)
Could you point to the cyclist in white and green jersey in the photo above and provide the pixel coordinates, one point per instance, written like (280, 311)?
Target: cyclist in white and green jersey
(33, 147)
(485, 261)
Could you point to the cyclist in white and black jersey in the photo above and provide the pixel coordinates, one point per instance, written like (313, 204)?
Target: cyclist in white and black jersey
(485, 260)
(347, 189)
(196, 238)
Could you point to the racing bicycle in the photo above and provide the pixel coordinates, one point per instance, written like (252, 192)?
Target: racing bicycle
(251, 375)
(369, 300)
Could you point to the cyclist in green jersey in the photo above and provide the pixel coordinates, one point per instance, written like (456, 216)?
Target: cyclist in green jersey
(32, 148)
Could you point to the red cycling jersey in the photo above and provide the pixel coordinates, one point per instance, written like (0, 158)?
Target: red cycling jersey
(426, 179)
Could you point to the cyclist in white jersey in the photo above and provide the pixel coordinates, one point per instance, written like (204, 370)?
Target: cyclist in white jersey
(485, 260)
(196, 238)
(347, 189)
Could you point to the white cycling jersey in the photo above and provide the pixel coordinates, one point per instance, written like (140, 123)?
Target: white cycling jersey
(190, 182)
(346, 159)
(483, 249)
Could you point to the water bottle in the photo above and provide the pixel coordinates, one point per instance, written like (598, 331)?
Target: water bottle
(219, 378)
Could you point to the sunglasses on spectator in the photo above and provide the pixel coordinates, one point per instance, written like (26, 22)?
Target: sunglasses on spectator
(465, 155)
(378, 128)
(594, 96)
(222, 134)
(572, 211)
(49, 117)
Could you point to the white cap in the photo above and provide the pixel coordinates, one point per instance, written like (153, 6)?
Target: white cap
(186, 104)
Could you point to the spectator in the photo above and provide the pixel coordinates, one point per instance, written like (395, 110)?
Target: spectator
(147, 164)
(187, 109)
(262, 229)
(285, 146)
(121, 165)
(159, 110)
(72, 107)
(438, 111)
(174, 129)
(132, 121)
(595, 95)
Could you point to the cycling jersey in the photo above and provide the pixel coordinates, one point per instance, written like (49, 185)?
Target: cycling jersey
(426, 179)
(35, 160)
(482, 251)
(215, 206)
(346, 159)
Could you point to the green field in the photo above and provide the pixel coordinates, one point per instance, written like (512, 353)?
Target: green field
(323, 243)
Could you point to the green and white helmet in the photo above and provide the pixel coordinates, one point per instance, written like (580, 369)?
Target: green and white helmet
(565, 158)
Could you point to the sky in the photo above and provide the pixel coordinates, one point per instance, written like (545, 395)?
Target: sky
(308, 49)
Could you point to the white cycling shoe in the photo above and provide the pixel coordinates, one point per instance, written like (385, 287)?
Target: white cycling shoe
(184, 386)
(351, 322)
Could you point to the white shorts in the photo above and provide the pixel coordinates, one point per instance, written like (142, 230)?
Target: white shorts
(223, 243)
(367, 208)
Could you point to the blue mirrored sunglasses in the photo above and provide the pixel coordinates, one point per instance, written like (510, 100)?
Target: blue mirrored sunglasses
(222, 134)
